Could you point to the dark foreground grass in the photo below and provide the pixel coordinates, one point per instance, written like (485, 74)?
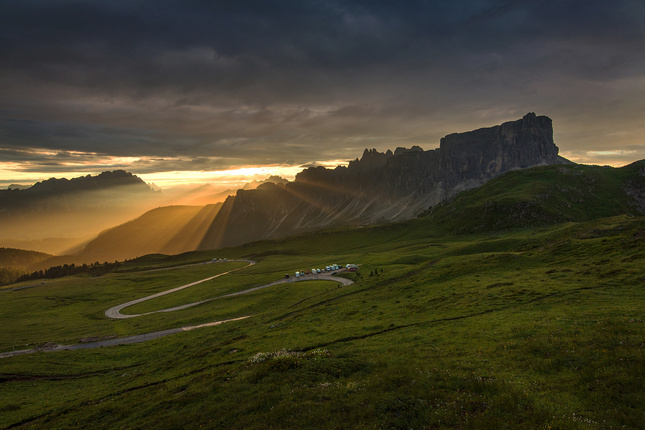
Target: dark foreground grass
(526, 330)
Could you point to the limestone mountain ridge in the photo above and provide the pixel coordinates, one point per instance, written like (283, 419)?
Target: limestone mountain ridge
(382, 187)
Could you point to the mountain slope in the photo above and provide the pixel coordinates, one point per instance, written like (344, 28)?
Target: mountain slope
(545, 195)
(11, 257)
(165, 230)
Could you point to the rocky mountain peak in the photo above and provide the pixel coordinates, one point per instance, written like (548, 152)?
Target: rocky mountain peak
(371, 159)
(274, 179)
(401, 150)
(387, 186)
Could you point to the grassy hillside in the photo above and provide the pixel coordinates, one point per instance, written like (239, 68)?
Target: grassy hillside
(15, 262)
(546, 195)
(11, 257)
(530, 329)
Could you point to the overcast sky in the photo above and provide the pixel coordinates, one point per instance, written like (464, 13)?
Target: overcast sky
(162, 86)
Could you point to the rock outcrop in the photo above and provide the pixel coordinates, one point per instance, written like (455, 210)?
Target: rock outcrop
(382, 187)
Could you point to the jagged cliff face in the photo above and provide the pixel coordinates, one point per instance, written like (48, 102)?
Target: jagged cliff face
(485, 153)
(381, 187)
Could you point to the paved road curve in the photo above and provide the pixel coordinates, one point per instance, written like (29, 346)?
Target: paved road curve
(116, 341)
(114, 312)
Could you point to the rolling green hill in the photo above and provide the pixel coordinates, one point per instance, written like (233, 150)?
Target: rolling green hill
(446, 326)
(546, 195)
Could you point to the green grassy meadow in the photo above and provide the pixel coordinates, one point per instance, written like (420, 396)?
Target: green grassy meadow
(526, 329)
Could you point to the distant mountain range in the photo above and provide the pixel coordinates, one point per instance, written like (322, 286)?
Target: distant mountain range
(71, 208)
(209, 193)
(18, 187)
(58, 193)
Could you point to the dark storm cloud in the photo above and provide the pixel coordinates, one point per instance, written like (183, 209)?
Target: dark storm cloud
(264, 47)
(297, 81)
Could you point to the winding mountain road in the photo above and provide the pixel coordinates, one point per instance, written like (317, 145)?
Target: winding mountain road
(115, 312)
